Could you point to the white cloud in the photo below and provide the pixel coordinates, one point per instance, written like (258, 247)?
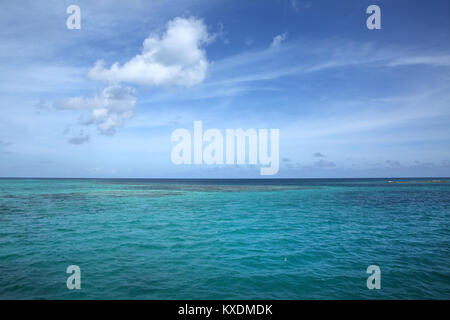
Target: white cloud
(297, 5)
(108, 110)
(175, 58)
(277, 40)
(436, 61)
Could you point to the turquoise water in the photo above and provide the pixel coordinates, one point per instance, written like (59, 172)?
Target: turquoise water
(233, 239)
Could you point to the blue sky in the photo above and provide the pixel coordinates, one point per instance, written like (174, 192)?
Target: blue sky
(348, 101)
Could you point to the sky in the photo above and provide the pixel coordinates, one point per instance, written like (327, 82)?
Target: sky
(103, 100)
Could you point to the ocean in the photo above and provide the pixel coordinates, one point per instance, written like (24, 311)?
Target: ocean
(225, 239)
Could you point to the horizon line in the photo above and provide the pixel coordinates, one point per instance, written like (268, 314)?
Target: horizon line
(130, 178)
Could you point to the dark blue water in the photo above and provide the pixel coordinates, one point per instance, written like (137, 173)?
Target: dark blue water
(225, 239)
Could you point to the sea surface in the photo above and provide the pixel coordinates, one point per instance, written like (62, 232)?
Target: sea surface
(225, 239)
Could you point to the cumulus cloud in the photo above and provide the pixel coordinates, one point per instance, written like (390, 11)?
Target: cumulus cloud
(108, 110)
(277, 40)
(175, 58)
(318, 155)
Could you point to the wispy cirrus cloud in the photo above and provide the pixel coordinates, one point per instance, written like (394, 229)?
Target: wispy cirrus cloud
(435, 61)
(297, 5)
